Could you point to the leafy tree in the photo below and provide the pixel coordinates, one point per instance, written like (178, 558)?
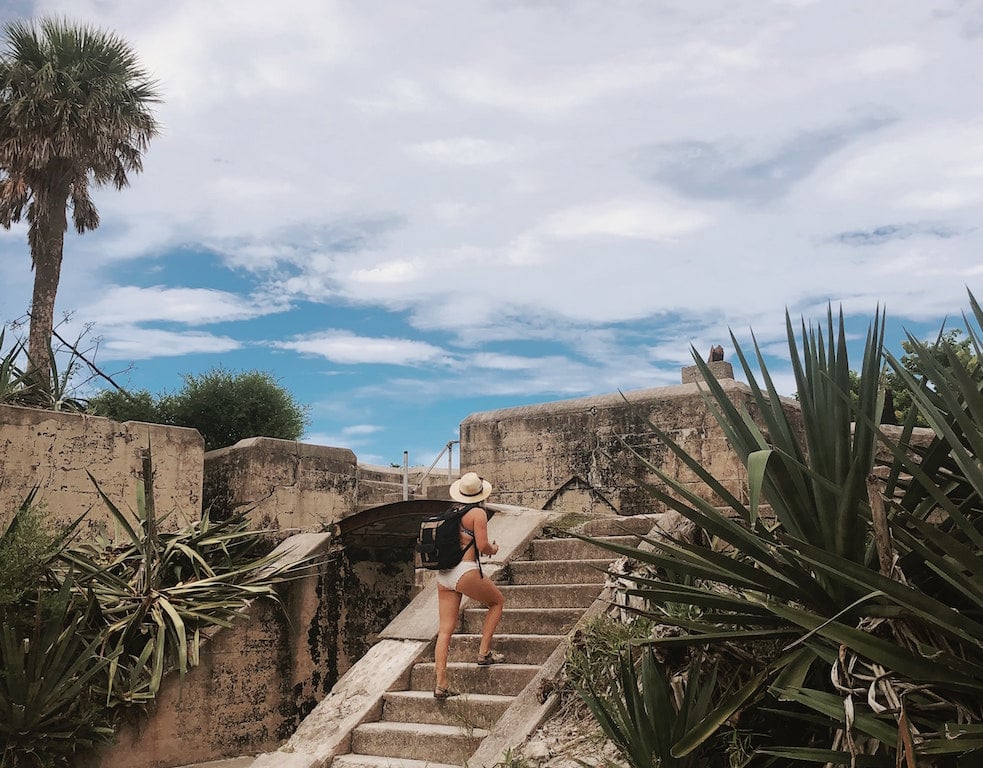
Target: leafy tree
(223, 406)
(227, 407)
(898, 399)
(74, 111)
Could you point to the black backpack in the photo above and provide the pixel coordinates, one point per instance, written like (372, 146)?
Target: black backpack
(439, 543)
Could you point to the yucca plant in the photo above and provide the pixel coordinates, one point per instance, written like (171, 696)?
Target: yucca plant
(18, 388)
(12, 379)
(644, 713)
(86, 628)
(153, 595)
(48, 714)
(892, 665)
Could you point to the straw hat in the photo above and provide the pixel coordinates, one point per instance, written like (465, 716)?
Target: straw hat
(470, 489)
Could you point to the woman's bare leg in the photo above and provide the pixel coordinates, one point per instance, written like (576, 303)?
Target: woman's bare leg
(477, 587)
(448, 607)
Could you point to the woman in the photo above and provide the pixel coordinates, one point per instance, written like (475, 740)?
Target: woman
(466, 579)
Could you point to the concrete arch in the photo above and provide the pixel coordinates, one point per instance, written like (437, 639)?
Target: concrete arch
(388, 526)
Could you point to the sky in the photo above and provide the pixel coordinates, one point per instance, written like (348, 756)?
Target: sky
(410, 211)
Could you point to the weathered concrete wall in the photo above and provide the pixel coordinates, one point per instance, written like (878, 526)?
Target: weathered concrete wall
(53, 450)
(259, 679)
(372, 586)
(286, 486)
(569, 455)
(281, 485)
(256, 681)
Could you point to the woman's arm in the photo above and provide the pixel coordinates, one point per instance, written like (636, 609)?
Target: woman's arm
(479, 524)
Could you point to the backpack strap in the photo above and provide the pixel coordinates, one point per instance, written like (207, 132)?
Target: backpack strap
(474, 543)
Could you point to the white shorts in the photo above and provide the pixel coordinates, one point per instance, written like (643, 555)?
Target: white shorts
(449, 578)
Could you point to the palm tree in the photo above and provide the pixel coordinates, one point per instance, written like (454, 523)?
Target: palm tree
(74, 110)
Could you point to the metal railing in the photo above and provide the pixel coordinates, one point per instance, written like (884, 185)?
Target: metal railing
(448, 449)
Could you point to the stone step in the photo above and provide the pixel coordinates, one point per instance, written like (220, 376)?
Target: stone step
(533, 621)
(473, 710)
(468, 677)
(518, 649)
(575, 549)
(232, 762)
(550, 595)
(376, 761)
(557, 571)
(619, 525)
(417, 741)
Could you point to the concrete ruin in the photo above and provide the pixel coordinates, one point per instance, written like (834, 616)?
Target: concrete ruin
(591, 454)
(56, 452)
(260, 678)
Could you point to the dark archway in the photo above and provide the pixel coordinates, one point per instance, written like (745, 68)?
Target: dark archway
(388, 526)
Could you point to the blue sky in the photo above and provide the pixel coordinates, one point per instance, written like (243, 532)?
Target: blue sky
(409, 212)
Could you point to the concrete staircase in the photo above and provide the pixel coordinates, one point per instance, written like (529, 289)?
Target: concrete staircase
(382, 714)
(546, 594)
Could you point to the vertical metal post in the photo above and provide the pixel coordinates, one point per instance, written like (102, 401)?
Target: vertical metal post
(450, 460)
(406, 475)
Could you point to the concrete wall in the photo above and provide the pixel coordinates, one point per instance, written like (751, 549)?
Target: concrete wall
(258, 679)
(567, 455)
(287, 487)
(282, 485)
(53, 450)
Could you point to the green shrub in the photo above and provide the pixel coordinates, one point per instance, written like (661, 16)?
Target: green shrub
(222, 405)
(91, 628)
(226, 407)
(49, 711)
(26, 549)
(127, 406)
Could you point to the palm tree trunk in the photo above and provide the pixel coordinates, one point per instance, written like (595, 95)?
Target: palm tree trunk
(47, 238)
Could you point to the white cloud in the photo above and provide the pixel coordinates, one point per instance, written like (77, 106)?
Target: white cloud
(506, 362)
(547, 94)
(934, 168)
(626, 218)
(347, 348)
(455, 213)
(389, 272)
(134, 343)
(401, 95)
(464, 150)
(362, 429)
(129, 304)
(887, 60)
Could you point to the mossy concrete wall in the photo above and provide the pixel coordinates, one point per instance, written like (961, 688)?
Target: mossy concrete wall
(258, 679)
(53, 451)
(573, 455)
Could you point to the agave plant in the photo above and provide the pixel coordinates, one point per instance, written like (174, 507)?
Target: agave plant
(873, 587)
